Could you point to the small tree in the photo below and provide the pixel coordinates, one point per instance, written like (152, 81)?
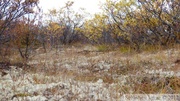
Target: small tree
(10, 12)
(65, 23)
(24, 37)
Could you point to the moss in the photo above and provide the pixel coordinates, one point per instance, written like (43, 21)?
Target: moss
(21, 95)
(103, 48)
(124, 49)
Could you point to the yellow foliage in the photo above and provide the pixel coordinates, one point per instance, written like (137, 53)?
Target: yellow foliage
(94, 28)
(54, 27)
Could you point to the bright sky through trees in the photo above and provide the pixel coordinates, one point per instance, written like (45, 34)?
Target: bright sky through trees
(91, 6)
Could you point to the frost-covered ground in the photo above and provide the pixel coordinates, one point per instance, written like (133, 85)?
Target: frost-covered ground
(85, 74)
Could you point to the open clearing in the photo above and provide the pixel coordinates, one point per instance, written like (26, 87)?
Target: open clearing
(86, 74)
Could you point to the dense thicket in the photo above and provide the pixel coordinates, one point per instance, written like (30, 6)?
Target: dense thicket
(130, 22)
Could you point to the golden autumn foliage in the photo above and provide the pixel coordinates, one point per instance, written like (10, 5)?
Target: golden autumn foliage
(137, 21)
(94, 28)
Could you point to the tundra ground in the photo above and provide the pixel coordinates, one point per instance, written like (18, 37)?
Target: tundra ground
(87, 74)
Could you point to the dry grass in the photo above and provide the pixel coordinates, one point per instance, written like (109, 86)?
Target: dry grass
(122, 64)
(147, 72)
